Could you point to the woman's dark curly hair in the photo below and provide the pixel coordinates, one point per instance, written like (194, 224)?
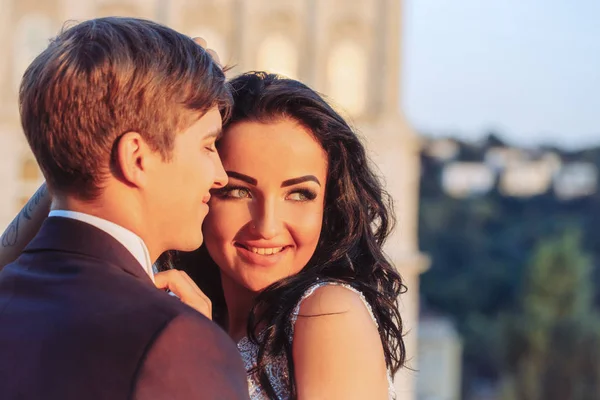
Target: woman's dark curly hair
(357, 220)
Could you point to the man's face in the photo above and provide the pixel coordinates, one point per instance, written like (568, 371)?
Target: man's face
(180, 187)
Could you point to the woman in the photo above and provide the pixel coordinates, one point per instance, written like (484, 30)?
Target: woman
(292, 260)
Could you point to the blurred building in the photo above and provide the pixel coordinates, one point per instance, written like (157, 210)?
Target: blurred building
(442, 150)
(502, 157)
(464, 179)
(575, 180)
(552, 160)
(440, 360)
(349, 50)
(528, 178)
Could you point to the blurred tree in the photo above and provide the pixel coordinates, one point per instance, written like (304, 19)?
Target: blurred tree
(481, 248)
(552, 344)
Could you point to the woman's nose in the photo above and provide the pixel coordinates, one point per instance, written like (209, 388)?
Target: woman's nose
(266, 222)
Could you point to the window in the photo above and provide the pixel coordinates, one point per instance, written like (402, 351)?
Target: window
(30, 171)
(214, 41)
(32, 36)
(347, 77)
(278, 54)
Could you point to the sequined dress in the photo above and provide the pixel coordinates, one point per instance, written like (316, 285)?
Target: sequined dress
(277, 370)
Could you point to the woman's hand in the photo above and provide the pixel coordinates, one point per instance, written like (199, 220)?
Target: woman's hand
(184, 287)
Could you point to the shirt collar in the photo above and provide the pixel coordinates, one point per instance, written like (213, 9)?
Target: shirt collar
(128, 239)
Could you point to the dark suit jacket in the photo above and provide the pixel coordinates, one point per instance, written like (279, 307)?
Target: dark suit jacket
(80, 319)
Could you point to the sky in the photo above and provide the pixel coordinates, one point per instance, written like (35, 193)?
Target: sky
(527, 69)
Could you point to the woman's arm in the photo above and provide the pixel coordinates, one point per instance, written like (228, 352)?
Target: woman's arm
(337, 349)
(25, 226)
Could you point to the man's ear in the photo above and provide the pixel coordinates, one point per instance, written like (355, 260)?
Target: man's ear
(132, 159)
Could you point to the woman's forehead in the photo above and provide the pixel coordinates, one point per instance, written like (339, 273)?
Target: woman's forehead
(273, 144)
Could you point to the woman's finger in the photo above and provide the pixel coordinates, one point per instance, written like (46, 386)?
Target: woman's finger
(184, 287)
(215, 56)
(200, 41)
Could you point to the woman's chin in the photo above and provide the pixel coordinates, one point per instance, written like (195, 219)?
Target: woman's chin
(257, 287)
(258, 284)
(255, 282)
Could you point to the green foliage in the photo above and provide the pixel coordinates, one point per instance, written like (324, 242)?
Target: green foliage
(548, 341)
(483, 252)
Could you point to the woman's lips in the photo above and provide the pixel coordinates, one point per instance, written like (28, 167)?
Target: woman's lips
(264, 256)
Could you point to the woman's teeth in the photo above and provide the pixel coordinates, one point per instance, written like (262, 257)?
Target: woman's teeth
(265, 251)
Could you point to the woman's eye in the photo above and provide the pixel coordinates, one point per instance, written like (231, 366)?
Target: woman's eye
(297, 196)
(233, 192)
(302, 195)
(238, 193)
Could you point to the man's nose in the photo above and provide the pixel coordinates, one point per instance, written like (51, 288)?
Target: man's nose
(221, 177)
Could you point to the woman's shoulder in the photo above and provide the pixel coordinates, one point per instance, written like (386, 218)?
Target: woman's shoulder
(333, 298)
(336, 337)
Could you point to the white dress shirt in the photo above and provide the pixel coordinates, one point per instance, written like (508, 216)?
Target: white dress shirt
(128, 239)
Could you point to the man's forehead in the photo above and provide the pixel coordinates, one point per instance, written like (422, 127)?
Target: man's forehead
(210, 125)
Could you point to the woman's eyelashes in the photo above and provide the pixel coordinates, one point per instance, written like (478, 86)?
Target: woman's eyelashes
(302, 195)
(234, 192)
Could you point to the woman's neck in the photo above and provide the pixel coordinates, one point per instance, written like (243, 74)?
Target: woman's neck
(239, 302)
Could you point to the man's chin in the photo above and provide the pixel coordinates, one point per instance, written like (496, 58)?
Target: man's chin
(190, 245)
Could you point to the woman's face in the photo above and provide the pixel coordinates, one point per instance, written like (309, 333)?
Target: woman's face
(265, 224)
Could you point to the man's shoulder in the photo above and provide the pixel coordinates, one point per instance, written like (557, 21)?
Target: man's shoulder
(191, 326)
(191, 355)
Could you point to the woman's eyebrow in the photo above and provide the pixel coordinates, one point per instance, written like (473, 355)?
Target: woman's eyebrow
(295, 181)
(248, 179)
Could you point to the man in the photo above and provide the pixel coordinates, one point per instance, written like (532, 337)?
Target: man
(122, 116)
